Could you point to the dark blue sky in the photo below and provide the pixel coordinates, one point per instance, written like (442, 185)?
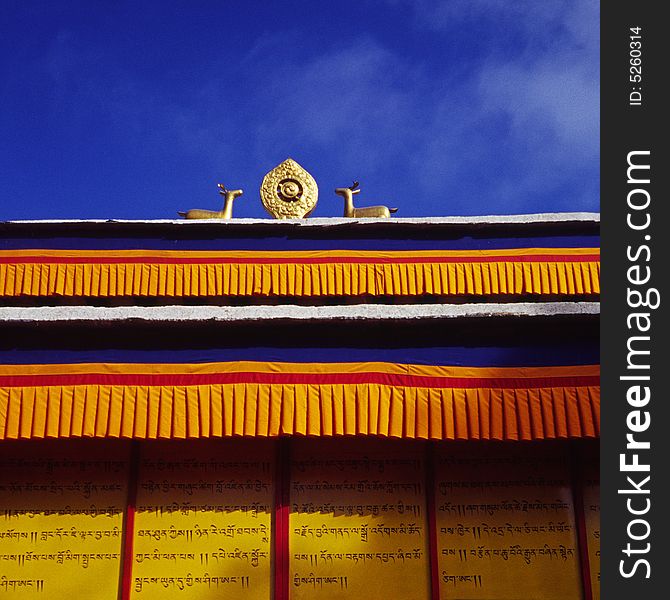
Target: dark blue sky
(134, 110)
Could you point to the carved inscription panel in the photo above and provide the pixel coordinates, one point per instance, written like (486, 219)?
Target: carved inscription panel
(357, 524)
(203, 526)
(61, 518)
(505, 523)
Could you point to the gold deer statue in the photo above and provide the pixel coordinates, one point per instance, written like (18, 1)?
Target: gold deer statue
(225, 213)
(379, 212)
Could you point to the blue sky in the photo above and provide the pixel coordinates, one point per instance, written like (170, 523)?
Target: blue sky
(134, 110)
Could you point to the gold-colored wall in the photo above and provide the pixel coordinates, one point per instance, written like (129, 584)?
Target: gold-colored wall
(203, 521)
(506, 524)
(365, 518)
(61, 519)
(358, 526)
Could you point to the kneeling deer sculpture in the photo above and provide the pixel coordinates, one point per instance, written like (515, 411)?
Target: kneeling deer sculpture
(225, 213)
(380, 212)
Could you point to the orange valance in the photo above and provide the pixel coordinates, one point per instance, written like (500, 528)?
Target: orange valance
(273, 399)
(540, 271)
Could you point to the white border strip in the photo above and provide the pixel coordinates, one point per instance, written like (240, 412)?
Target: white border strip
(337, 221)
(231, 314)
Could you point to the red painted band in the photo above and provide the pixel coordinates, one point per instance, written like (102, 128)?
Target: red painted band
(433, 549)
(580, 519)
(389, 379)
(185, 260)
(282, 500)
(129, 533)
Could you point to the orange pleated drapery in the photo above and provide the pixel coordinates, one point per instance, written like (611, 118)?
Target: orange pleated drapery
(158, 401)
(76, 273)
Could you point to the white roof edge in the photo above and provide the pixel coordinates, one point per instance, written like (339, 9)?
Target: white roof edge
(232, 314)
(586, 217)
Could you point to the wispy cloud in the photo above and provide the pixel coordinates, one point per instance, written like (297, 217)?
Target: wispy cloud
(356, 103)
(519, 126)
(531, 118)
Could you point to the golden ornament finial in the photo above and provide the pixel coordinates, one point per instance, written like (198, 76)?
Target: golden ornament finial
(289, 191)
(379, 212)
(225, 213)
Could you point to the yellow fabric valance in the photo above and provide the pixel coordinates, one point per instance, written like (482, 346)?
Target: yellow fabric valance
(328, 273)
(439, 403)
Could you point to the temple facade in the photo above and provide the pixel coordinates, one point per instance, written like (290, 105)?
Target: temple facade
(329, 409)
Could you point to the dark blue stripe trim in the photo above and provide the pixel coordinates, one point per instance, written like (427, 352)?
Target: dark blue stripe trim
(425, 242)
(551, 354)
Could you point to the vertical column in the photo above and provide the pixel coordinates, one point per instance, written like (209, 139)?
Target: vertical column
(129, 523)
(589, 475)
(432, 523)
(282, 474)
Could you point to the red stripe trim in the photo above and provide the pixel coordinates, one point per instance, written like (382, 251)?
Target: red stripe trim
(433, 550)
(129, 529)
(101, 260)
(390, 379)
(580, 520)
(282, 500)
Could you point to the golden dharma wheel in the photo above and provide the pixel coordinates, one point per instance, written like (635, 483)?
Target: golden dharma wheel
(289, 191)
